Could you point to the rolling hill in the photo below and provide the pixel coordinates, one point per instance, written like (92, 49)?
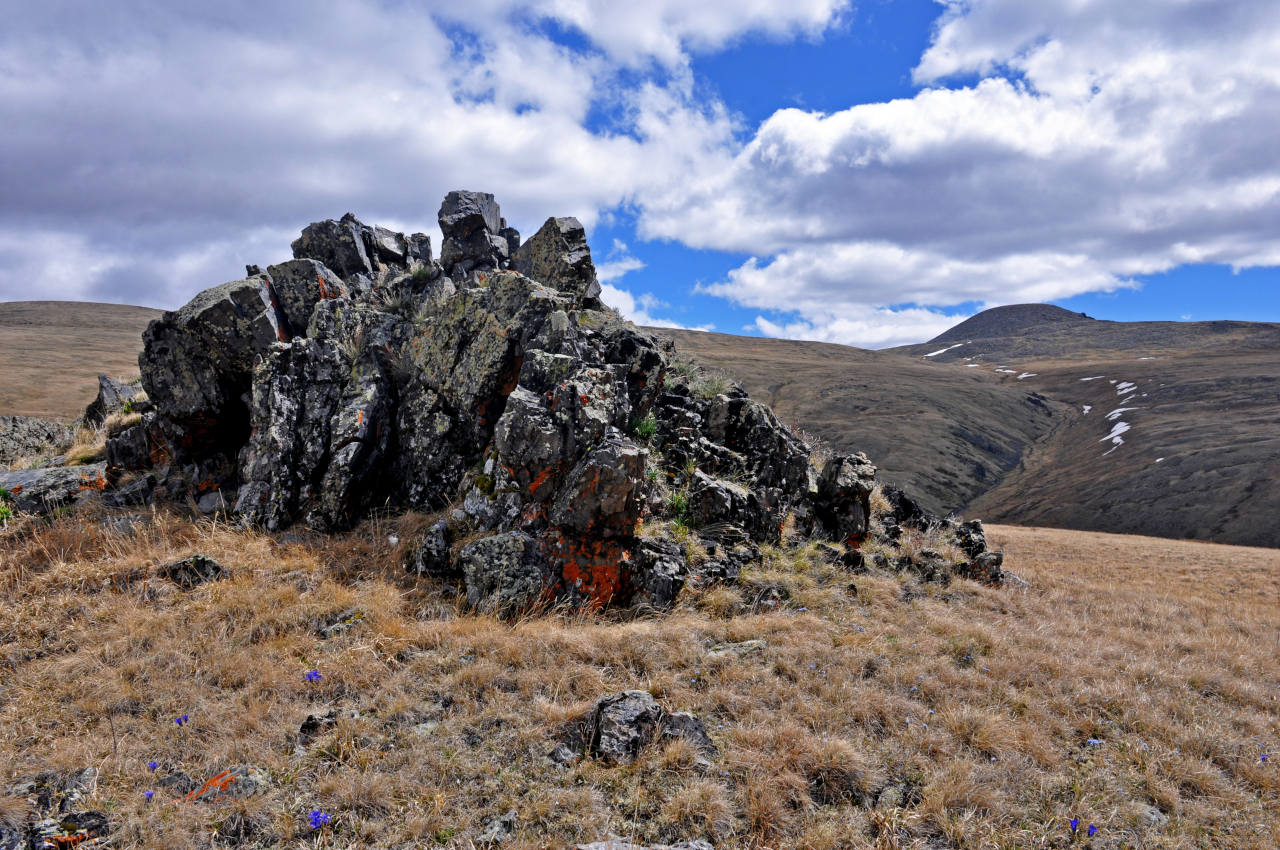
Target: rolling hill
(1013, 415)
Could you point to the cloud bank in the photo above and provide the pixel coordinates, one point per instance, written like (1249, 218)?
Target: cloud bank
(1054, 148)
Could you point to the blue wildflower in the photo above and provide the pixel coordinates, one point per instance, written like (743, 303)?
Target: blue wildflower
(1264, 757)
(152, 765)
(180, 720)
(149, 795)
(319, 819)
(313, 676)
(1075, 824)
(1093, 830)
(1094, 742)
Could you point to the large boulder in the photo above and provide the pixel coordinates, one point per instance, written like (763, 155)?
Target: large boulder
(505, 574)
(476, 236)
(843, 508)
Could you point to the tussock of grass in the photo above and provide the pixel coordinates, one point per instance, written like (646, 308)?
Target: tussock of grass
(957, 716)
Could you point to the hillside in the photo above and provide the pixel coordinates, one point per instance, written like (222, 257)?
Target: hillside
(51, 353)
(1017, 420)
(1131, 687)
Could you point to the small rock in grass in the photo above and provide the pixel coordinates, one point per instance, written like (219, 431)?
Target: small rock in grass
(194, 571)
(497, 830)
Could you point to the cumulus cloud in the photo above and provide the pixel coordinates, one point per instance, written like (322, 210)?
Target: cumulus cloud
(145, 144)
(1107, 141)
(639, 308)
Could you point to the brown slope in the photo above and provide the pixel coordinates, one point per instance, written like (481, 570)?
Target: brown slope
(51, 353)
(953, 426)
(946, 435)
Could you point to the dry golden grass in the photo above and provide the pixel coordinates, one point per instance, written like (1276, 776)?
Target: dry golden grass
(880, 714)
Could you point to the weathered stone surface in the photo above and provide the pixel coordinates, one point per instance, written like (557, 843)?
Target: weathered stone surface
(40, 491)
(843, 507)
(23, 436)
(498, 829)
(621, 725)
(558, 256)
(660, 572)
(361, 255)
(236, 783)
(429, 551)
(129, 449)
(505, 573)
(298, 285)
(112, 396)
(601, 496)
(473, 227)
(197, 366)
(905, 511)
(54, 816)
(191, 572)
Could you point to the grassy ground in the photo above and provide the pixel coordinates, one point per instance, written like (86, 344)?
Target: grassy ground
(1133, 686)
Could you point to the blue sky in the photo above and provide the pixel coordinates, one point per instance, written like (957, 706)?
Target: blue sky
(859, 172)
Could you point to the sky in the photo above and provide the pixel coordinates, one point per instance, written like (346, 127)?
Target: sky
(869, 173)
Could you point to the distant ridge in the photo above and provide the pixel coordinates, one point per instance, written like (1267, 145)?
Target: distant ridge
(1012, 320)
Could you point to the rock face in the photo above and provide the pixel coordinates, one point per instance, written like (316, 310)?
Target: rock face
(21, 436)
(490, 389)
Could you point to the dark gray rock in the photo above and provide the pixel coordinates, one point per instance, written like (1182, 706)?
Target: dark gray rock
(112, 396)
(621, 725)
(601, 496)
(558, 256)
(473, 227)
(231, 785)
(971, 539)
(660, 574)
(843, 504)
(139, 491)
(24, 436)
(130, 449)
(905, 511)
(298, 285)
(197, 367)
(362, 256)
(504, 574)
(429, 551)
(191, 572)
(41, 491)
(54, 815)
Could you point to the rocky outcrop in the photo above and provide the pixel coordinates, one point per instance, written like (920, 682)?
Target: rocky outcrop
(490, 389)
(49, 812)
(23, 436)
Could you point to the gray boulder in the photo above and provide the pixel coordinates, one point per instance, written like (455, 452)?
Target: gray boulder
(475, 237)
(41, 491)
(619, 726)
(843, 507)
(298, 286)
(112, 396)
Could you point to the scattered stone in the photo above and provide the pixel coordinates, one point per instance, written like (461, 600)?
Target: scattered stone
(741, 649)
(621, 725)
(236, 783)
(42, 491)
(429, 552)
(971, 539)
(193, 571)
(139, 491)
(317, 725)
(177, 784)
(341, 623)
(499, 829)
(24, 436)
(212, 503)
(619, 844)
(53, 816)
(112, 397)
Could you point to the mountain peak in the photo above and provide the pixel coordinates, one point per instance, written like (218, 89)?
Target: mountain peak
(1012, 320)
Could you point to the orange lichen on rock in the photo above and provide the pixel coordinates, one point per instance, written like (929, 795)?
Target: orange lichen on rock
(594, 569)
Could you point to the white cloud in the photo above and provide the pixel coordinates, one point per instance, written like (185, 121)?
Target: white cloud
(1127, 139)
(639, 308)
